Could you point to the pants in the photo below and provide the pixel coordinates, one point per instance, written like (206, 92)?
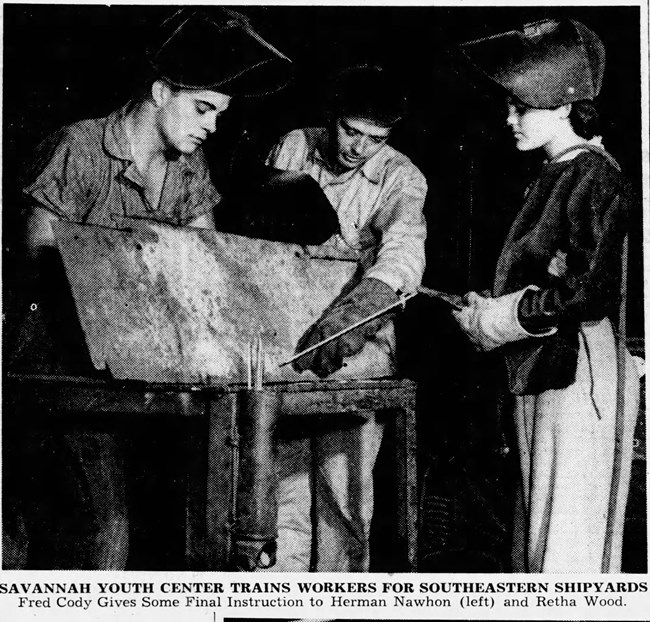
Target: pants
(566, 441)
(101, 473)
(66, 506)
(325, 499)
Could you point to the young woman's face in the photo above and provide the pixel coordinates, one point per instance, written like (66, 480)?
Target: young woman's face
(534, 128)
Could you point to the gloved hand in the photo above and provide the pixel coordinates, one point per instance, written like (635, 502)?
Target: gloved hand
(368, 297)
(493, 322)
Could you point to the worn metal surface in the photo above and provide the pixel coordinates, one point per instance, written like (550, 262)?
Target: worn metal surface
(209, 526)
(94, 397)
(168, 304)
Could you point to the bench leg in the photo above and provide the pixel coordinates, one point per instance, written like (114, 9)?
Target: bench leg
(407, 490)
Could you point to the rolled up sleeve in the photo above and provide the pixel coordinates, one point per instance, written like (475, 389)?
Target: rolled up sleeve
(290, 153)
(61, 178)
(277, 157)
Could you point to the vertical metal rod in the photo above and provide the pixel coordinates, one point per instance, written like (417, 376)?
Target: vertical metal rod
(249, 365)
(258, 362)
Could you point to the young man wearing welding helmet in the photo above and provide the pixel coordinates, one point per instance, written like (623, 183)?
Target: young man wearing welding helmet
(142, 161)
(556, 291)
(379, 196)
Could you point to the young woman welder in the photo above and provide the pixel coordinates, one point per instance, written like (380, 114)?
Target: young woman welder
(555, 301)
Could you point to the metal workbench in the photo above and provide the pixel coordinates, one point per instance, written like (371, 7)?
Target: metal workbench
(209, 518)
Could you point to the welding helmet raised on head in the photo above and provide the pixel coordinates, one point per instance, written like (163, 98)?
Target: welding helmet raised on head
(217, 50)
(368, 92)
(545, 64)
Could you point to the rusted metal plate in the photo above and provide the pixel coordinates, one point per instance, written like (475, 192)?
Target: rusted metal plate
(168, 304)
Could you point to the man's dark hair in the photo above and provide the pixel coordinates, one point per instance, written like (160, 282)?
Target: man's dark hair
(368, 92)
(584, 119)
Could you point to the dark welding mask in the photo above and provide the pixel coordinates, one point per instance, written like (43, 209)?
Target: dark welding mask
(545, 64)
(218, 51)
(368, 92)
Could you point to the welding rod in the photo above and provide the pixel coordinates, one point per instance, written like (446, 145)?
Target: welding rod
(249, 366)
(361, 322)
(259, 360)
(453, 299)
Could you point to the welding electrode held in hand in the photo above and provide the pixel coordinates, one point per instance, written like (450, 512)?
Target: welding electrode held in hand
(454, 300)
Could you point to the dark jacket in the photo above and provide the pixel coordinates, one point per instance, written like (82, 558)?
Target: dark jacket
(580, 207)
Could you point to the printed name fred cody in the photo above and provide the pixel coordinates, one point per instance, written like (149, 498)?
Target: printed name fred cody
(333, 595)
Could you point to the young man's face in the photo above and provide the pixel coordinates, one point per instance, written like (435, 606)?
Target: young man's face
(187, 117)
(357, 140)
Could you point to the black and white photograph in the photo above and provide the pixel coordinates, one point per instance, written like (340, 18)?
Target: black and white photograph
(324, 289)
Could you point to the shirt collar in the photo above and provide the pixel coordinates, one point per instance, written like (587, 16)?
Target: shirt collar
(116, 143)
(371, 170)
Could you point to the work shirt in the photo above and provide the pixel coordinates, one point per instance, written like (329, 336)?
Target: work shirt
(579, 207)
(379, 208)
(85, 173)
(379, 205)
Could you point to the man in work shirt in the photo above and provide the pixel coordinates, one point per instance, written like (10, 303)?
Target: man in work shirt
(142, 161)
(379, 196)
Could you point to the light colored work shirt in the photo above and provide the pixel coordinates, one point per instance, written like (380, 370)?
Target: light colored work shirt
(379, 205)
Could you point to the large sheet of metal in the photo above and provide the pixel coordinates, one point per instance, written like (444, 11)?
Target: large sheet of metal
(168, 304)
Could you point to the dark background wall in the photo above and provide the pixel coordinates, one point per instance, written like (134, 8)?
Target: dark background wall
(64, 63)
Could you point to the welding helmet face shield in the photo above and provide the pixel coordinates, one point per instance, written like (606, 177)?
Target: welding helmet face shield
(366, 92)
(218, 51)
(545, 65)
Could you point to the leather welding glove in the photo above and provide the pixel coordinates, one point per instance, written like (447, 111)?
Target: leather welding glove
(493, 322)
(368, 297)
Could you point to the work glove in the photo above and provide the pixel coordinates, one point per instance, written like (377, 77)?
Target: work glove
(368, 297)
(493, 322)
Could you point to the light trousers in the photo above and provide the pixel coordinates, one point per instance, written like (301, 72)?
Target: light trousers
(566, 440)
(325, 499)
